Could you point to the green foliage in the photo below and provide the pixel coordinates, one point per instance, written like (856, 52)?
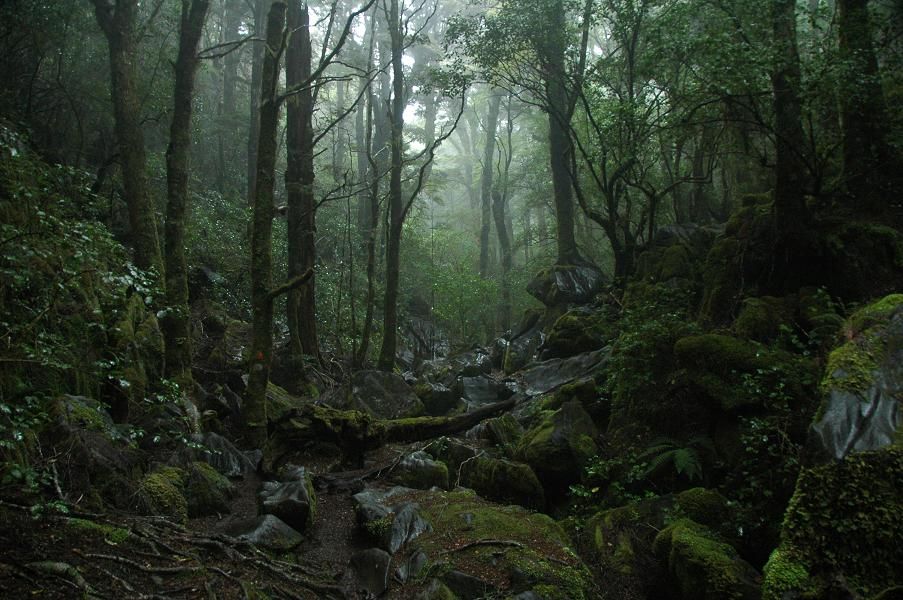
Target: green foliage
(685, 457)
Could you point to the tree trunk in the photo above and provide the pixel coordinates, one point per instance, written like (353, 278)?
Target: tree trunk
(501, 229)
(492, 118)
(262, 234)
(868, 163)
(396, 208)
(119, 27)
(299, 185)
(789, 188)
(176, 324)
(254, 116)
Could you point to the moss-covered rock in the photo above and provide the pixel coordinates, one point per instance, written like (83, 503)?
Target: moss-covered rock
(419, 471)
(137, 335)
(704, 567)
(725, 368)
(503, 481)
(160, 494)
(843, 518)
(207, 491)
(509, 549)
(560, 445)
(113, 535)
(579, 330)
(761, 319)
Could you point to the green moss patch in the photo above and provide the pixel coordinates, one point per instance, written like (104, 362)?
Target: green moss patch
(160, 494)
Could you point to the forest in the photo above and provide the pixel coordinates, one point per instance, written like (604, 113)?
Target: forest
(438, 300)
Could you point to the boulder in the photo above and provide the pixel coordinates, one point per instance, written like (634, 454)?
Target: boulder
(207, 491)
(380, 394)
(271, 533)
(566, 284)
(160, 494)
(702, 566)
(503, 481)
(418, 470)
(293, 501)
(219, 453)
(581, 329)
(560, 445)
(393, 524)
(438, 399)
(482, 390)
(548, 375)
(371, 569)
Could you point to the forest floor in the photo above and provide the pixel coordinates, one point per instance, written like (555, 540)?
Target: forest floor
(120, 555)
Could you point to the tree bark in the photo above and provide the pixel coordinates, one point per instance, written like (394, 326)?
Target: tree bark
(396, 207)
(501, 229)
(299, 185)
(254, 115)
(119, 25)
(262, 233)
(492, 118)
(176, 324)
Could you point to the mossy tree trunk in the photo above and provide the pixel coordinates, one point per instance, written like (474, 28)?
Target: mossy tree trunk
(176, 324)
(257, 50)
(119, 25)
(299, 185)
(869, 164)
(492, 117)
(790, 169)
(262, 233)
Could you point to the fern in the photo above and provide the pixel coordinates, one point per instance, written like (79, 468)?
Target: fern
(683, 456)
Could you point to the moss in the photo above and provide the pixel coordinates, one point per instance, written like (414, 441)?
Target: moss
(160, 494)
(560, 445)
(703, 566)
(875, 313)
(783, 574)
(703, 506)
(207, 491)
(504, 481)
(761, 318)
(114, 535)
(845, 517)
(531, 543)
(578, 330)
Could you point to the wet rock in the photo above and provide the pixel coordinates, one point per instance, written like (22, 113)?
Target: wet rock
(482, 390)
(566, 284)
(550, 374)
(560, 445)
(418, 470)
(522, 348)
(438, 399)
(412, 566)
(466, 587)
(371, 568)
(270, 532)
(294, 502)
(861, 410)
(394, 524)
(221, 454)
(581, 329)
(382, 395)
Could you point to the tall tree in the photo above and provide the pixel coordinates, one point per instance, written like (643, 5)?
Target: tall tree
(262, 293)
(119, 23)
(299, 183)
(491, 123)
(176, 324)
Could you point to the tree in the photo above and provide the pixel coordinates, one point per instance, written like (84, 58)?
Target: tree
(486, 201)
(119, 25)
(176, 324)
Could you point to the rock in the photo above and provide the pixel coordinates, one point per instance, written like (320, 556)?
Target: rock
(466, 587)
(221, 454)
(207, 491)
(560, 445)
(393, 524)
(864, 381)
(482, 390)
(382, 395)
(546, 376)
(503, 481)
(761, 319)
(566, 284)
(438, 399)
(294, 502)
(270, 532)
(160, 494)
(504, 431)
(453, 452)
(371, 568)
(436, 590)
(418, 470)
(581, 329)
(703, 567)
(412, 566)
(521, 348)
